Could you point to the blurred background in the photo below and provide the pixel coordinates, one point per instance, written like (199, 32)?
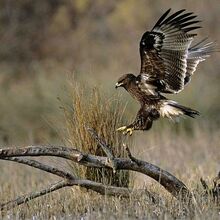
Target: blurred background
(44, 42)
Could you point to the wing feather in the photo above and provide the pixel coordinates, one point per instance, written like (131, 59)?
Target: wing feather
(162, 18)
(164, 49)
(196, 54)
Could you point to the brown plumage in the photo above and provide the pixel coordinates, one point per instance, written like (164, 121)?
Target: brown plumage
(167, 64)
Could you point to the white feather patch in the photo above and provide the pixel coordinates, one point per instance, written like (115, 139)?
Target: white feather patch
(169, 111)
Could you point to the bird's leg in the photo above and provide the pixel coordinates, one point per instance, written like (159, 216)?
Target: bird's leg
(133, 126)
(143, 121)
(130, 128)
(126, 129)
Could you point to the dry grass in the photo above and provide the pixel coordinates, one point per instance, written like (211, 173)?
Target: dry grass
(91, 108)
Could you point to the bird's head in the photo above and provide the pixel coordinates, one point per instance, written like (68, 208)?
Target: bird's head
(125, 80)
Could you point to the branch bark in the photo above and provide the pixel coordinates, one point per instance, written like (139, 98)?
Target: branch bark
(173, 185)
(69, 180)
(105, 148)
(176, 187)
(41, 166)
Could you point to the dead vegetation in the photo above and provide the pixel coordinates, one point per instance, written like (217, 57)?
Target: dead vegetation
(104, 114)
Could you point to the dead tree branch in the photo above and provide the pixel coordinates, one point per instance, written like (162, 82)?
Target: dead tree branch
(105, 148)
(173, 185)
(41, 166)
(70, 180)
(131, 157)
(168, 181)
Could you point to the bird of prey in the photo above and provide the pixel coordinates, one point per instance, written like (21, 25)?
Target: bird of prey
(168, 62)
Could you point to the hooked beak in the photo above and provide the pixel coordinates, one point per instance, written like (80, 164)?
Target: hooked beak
(118, 85)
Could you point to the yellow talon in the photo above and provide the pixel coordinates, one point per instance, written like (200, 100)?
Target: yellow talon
(121, 128)
(128, 131)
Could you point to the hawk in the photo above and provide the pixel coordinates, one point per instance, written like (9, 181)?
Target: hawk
(168, 62)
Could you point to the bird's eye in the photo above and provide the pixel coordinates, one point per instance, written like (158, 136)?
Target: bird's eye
(143, 43)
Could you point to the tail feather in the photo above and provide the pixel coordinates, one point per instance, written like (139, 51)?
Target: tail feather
(187, 111)
(171, 109)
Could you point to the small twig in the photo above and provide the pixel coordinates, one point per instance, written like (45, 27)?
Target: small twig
(135, 160)
(105, 148)
(102, 143)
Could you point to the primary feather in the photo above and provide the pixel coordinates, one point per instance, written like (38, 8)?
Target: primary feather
(164, 50)
(197, 53)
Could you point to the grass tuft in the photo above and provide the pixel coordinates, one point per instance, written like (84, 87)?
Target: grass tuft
(92, 108)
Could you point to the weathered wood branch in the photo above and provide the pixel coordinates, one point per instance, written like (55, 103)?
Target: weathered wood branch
(106, 149)
(176, 187)
(69, 153)
(41, 166)
(73, 180)
(69, 180)
(173, 185)
(57, 151)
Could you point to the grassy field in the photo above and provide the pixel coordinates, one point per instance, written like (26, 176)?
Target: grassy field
(189, 150)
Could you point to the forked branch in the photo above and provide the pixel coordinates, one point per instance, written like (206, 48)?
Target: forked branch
(173, 185)
(69, 180)
(176, 187)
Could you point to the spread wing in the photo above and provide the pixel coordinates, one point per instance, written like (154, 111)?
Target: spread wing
(164, 50)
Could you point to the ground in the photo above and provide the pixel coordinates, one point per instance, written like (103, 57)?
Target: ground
(189, 157)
